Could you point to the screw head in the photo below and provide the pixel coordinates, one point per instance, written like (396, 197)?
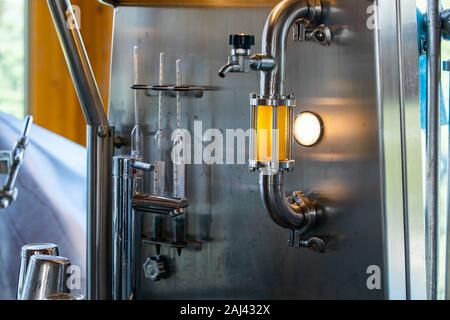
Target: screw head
(154, 268)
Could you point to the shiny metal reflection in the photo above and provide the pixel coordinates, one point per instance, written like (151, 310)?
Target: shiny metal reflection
(25, 255)
(65, 296)
(46, 276)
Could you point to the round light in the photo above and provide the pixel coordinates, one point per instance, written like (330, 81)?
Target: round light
(308, 129)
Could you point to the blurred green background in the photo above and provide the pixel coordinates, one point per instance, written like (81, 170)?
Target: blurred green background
(12, 57)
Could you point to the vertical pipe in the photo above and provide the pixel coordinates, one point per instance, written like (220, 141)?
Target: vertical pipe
(99, 150)
(275, 36)
(98, 251)
(447, 255)
(433, 143)
(127, 230)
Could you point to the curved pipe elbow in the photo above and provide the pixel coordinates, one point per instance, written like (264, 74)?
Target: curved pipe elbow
(275, 37)
(286, 215)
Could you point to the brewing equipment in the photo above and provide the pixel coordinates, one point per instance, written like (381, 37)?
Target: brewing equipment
(272, 111)
(128, 206)
(360, 83)
(350, 84)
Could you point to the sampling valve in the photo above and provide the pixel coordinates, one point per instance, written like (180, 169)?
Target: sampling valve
(241, 60)
(272, 109)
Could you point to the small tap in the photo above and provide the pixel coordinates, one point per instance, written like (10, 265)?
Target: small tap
(241, 59)
(229, 67)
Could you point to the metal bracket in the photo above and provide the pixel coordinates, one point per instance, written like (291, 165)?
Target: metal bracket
(423, 46)
(174, 91)
(189, 244)
(321, 34)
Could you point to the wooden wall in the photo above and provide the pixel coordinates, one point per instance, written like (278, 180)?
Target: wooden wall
(52, 99)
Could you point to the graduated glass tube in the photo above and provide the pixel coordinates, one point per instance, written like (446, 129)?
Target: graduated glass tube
(162, 174)
(137, 137)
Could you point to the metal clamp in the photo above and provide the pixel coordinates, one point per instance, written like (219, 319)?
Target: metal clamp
(10, 162)
(313, 243)
(321, 34)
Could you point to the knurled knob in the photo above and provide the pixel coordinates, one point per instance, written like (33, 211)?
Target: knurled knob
(242, 41)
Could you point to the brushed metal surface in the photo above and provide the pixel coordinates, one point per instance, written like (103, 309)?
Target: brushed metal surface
(244, 254)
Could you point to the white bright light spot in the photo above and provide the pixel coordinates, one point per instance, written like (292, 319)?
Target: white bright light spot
(308, 129)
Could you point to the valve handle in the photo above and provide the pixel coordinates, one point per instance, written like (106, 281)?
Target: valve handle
(242, 41)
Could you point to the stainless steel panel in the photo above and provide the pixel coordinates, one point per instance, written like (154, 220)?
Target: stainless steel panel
(245, 255)
(401, 157)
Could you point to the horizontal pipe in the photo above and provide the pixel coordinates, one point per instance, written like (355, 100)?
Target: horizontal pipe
(143, 202)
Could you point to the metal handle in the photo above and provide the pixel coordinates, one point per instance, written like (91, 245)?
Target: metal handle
(8, 193)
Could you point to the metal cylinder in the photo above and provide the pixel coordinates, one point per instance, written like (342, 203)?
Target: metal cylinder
(46, 276)
(127, 230)
(433, 143)
(275, 37)
(271, 140)
(25, 255)
(99, 221)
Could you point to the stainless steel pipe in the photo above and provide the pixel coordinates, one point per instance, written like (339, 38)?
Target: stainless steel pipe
(275, 36)
(99, 220)
(275, 201)
(160, 205)
(128, 206)
(127, 230)
(433, 143)
(99, 148)
(274, 41)
(78, 62)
